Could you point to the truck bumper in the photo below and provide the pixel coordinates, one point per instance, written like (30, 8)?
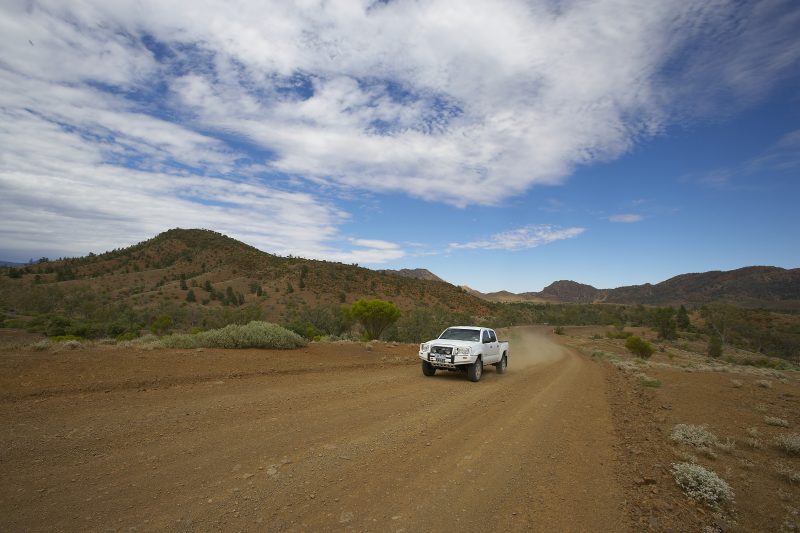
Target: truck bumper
(447, 361)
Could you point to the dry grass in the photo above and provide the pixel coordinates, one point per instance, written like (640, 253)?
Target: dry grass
(40, 346)
(775, 421)
(764, 383)
(787, 472)
(789, 442)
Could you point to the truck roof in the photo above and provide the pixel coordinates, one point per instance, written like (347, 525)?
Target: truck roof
(466, 327)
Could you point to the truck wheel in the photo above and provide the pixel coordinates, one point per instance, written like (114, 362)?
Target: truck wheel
(502, 365)
(428, 369)
(475, 370)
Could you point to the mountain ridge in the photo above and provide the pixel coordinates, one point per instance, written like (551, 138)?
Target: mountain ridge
(752, 286)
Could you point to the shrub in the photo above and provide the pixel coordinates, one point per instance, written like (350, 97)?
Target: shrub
(639, 347)
(618, 334)
(702, 485)
(558, 330)
(256, 334)
(737, 383)
(697, 436)
(789, 442)
(714, 346)
(764, 384)
(775, 421)
(647, 381)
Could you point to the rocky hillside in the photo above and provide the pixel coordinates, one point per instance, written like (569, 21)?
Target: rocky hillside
(414, 273)
(221, 272)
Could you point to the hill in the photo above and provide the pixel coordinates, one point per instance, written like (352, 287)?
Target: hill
(221, 273)
(757, 286)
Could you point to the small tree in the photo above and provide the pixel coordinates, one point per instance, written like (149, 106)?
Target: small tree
(682, 319)
(190, 296)
(161, 324)
(639, 347)
(665, 323)
(714, 346)
(375, 315)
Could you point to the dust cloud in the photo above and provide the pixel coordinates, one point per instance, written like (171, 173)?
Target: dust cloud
(530, 346)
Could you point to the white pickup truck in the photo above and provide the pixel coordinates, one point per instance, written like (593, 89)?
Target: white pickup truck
(464, 348)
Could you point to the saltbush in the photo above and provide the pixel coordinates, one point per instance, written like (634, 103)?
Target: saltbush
(256, 334)
(702, 485)
(697, 436)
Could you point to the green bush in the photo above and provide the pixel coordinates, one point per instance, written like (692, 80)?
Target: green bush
(375, 315)
(256, 334)
(618, 334)
(639, 347)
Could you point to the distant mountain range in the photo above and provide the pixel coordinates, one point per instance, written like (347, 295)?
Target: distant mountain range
(756, 286)
(10, 264)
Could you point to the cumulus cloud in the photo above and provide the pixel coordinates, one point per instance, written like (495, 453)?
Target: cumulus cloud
(626, 218)
(520, 238)
(148, 114)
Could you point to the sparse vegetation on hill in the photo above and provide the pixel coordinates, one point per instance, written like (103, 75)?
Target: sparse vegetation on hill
(203, 280)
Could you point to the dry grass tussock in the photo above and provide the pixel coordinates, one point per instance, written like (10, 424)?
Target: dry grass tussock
(789, 442)
(787, 472)
(775, 421)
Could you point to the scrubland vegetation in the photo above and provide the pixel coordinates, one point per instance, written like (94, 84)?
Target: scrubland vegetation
(185, 281)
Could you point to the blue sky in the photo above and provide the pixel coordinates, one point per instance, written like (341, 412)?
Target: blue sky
(501, 145)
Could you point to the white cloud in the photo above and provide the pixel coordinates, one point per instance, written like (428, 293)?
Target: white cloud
(626, 218)
(148, 114)
(520, 238)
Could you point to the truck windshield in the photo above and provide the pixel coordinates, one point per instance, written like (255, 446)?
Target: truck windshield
(460, 334)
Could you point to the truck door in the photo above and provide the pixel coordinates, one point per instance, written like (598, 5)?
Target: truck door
(490, 347)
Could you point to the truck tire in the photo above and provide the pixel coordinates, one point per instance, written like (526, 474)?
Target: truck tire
(502, 365)
(428, 369)
(475, 370)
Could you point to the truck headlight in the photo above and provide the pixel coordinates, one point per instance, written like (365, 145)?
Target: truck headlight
(424, 347)
(463, 350)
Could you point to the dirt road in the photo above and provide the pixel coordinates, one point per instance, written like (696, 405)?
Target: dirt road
(335, 437)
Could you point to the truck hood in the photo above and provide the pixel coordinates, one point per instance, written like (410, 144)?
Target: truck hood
(450, 342)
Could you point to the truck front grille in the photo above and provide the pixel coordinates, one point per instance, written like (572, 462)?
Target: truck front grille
(443, 350)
